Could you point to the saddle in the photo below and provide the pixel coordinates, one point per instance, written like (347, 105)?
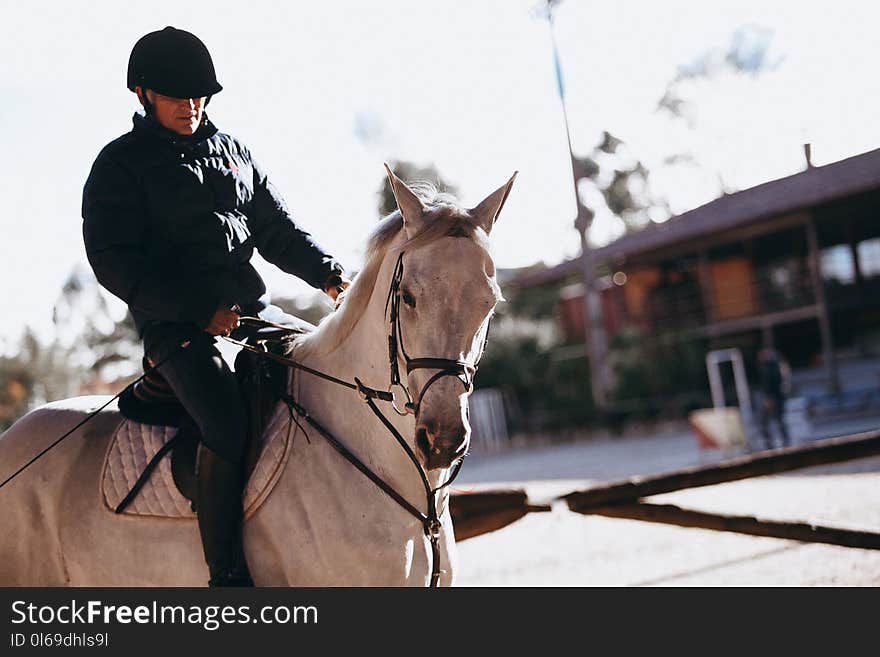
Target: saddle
(152, 402)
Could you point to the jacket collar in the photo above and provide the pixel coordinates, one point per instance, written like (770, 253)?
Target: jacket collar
(148, 127)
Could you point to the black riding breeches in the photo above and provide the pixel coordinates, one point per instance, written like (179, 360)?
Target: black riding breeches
(203, 382)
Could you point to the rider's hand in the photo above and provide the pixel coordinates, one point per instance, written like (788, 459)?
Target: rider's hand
(335, 290)
(223, 321)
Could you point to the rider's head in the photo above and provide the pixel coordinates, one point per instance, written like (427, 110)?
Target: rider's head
(172, 73)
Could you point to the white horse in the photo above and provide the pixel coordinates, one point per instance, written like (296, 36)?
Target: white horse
(324, 523)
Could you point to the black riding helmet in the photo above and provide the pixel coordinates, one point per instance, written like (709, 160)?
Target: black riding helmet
(173, 63)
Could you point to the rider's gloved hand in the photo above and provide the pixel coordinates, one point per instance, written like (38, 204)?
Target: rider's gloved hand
(336, 286)
(224, 321)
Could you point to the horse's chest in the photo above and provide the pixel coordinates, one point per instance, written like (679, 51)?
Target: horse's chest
(346, 530)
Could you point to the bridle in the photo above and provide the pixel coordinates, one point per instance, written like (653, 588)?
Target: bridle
(463, 370)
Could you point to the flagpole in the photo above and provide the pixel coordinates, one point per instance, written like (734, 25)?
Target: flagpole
(595, 328)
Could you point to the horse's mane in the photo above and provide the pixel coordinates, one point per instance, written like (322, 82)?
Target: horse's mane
(445, 219)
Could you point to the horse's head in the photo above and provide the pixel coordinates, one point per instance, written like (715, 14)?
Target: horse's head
(444, 294)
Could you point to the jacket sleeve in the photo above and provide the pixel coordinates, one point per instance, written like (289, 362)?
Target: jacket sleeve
(115, 232)
(282, 242)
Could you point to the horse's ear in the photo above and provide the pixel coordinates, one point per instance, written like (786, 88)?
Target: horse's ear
(486, 213)
(411, 207)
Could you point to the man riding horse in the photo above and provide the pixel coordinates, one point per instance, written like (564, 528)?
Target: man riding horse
(173, 211)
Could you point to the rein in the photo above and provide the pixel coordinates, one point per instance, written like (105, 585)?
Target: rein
(462, 370)
(384, 395)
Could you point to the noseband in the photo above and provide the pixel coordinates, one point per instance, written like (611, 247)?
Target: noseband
(463, 370)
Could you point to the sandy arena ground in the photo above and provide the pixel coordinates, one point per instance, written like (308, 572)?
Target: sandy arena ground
(561, 548)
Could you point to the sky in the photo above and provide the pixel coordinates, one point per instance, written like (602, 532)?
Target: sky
(324, 93)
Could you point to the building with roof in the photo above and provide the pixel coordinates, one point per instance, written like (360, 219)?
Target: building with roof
(792, 264)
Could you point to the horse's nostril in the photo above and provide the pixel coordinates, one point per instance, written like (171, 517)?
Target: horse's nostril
(422, 440)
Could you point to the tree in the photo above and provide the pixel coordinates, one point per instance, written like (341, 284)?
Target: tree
(89, 352)
(106, 348)
(747, 55)
(36, 374)
(523, 359)
(623, 182)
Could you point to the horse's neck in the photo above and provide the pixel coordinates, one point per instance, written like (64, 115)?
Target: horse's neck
(364, 354)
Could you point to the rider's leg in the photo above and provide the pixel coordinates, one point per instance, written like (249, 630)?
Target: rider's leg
(209, 391)
(220, 485)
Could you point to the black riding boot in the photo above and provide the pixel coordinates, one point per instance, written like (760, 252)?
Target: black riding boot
(220, 485)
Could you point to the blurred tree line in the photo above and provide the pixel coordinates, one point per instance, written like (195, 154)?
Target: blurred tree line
(90, 352)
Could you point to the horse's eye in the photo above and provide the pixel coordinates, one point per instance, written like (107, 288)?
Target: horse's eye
(408, 299)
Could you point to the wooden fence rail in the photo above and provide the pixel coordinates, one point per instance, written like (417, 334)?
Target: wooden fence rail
(483, 512)
(832, 450)
(797, 531)
(478, 513)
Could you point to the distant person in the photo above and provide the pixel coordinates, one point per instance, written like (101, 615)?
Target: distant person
(773, 377)
(172, 213)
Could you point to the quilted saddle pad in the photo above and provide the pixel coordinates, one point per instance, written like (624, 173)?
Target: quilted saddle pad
(134, 444)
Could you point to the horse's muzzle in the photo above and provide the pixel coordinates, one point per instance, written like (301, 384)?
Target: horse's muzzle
(441, 449)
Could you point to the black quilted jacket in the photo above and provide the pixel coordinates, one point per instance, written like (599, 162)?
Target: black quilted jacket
(170, 224)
